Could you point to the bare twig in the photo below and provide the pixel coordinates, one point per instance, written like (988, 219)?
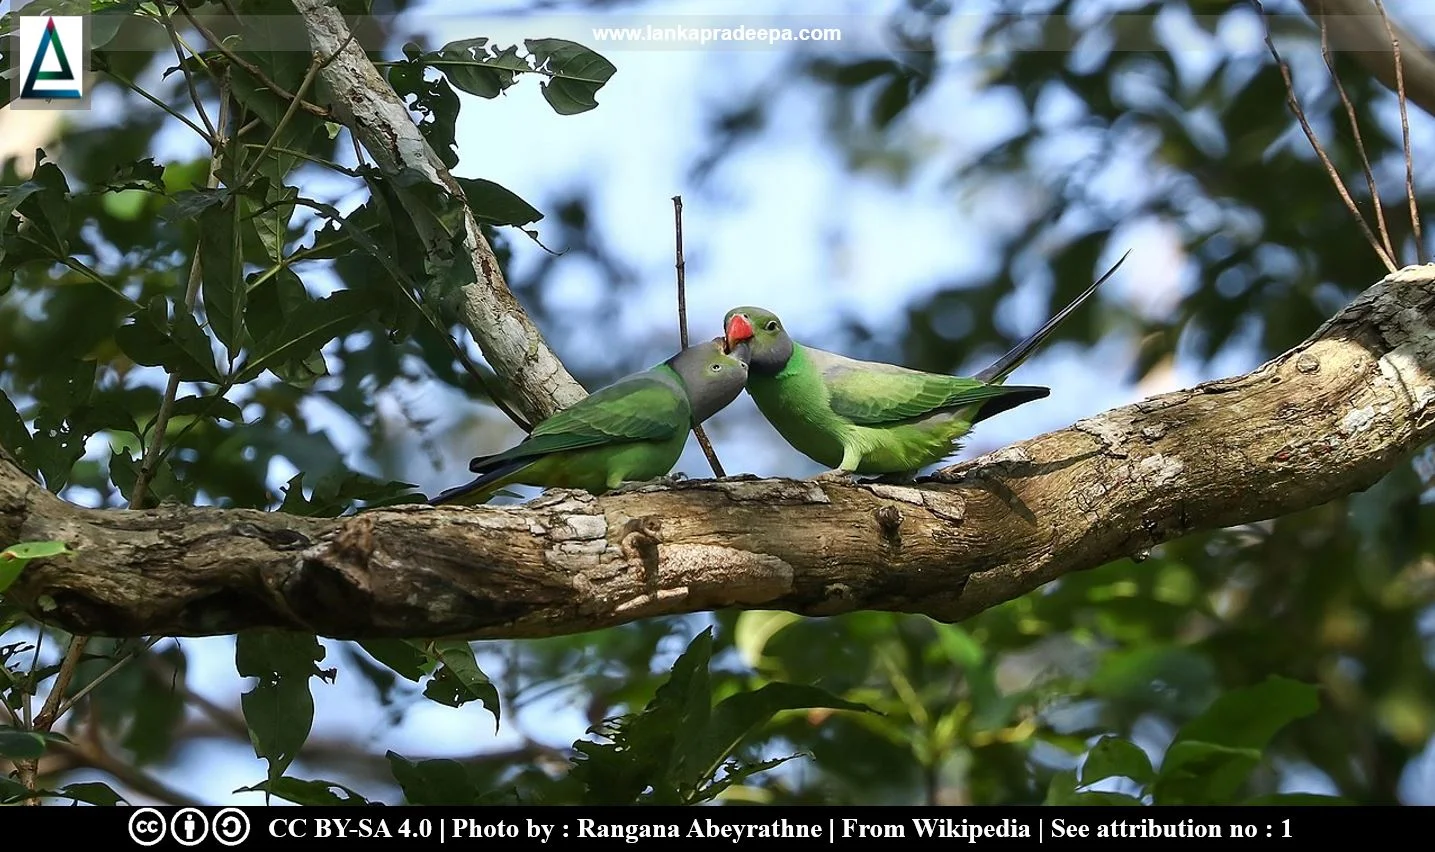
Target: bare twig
(1359, 142)
(188, 74)
(314, 68)
(1330, 170)
(105, 675)
(93, 755)
(1404, 133)
(254, 70)
(681, 266)
(1356, 31)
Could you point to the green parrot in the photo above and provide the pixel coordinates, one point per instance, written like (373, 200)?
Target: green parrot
(630, 431)
(868, 417)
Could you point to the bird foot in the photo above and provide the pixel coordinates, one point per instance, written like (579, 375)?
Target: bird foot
(908, 477)
(836, 477)
(629, 487)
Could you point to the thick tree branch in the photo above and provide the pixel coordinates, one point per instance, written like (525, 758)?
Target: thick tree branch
(368, 105)
(1357, 28)
(1326, 419)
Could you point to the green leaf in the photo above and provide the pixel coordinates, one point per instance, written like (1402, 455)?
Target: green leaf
(494, 205)
(576, 73)
(459, 680)
(221, 269)
(305, 334)
(208, 406)
(1062, 791)
(279, 710)
(1116, 757)
(649, 749)
(13, 434)
(12, 791)
(1199, 773)
(302, 792)
(189, 204)
(183, 349)
(737, 716)
(21, 745)
(404, 657)
(124, 471)
(433, 782)
(14, 558)
(92, 793)
(270, 228)
(1249, 717)
(474, 66)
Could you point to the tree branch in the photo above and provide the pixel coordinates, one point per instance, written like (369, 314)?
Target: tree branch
(1326, 419)
(1358, 28)
(368, 105)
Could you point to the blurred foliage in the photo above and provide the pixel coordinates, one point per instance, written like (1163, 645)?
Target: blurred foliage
(1292, 655)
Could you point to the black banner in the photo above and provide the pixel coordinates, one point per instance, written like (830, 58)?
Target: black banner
(214, 828)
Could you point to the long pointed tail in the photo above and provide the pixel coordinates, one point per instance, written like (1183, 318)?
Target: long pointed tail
(478, 491)
(1019, 353)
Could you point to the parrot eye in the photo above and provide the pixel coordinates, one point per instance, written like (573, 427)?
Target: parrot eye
(716, 368)
(771, 325)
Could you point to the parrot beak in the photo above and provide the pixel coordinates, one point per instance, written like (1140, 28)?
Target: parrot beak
(738, 330)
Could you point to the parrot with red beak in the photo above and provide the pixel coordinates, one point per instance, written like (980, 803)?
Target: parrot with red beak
(633, 430)
(868, 417)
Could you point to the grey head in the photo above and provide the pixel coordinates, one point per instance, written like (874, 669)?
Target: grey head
(712, 377)
(767, 339)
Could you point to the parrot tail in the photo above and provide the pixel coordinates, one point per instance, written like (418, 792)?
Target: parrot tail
(478, 491)
(1019, 353)
(1015, 395)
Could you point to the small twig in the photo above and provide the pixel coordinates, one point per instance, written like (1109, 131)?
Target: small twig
(315, 67)
(208, 137)
(188, 75)
(254, 70)
(1359, 142)
(681, 265)
(104, 675)
(94, 756)
(1330, 170)
(49, 713)
(1404, 133)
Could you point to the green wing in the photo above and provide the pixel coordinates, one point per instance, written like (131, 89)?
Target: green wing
(870, 393)
(637, 408)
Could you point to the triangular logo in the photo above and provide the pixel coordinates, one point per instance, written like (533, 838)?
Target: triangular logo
(50, 40)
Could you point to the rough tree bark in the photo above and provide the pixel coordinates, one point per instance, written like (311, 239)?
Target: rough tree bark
(368, 105)
(1325, 419)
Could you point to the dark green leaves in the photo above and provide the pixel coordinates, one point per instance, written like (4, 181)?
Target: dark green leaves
(1206, 764)
(459, 680)
(302, 792)
(1116, 757)
(153, 339)
(575, 73)
(680, 745)
(1214, 753)
(20, 745)
(433, 782)
(279, 709)
(494, 205)
(474, 66)
(221, 268)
